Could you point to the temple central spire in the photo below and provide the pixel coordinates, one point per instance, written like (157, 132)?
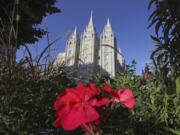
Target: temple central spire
(91, 19)
(108, 23)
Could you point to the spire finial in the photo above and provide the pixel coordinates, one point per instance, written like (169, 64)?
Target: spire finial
(91, 18)
(75, 30)
(108, 22)
(120, 50)
(91, 13)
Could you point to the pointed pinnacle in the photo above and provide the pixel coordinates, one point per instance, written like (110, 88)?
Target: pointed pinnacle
(91, 13)
(75, 30)
(91, 18)
(108, 22)
(119, 50)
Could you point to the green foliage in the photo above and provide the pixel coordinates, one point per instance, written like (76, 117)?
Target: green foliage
(178, 85)
(27, 98)
(21, 17)
(156, 112)
(176, 132)
(27, 93)
(166, 56)
(26, 101)
(128, 78)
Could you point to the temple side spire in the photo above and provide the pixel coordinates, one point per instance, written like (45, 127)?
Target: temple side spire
(108, 24)
(75, 31)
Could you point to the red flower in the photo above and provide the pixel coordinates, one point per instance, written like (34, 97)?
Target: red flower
(76, 107)
(124, 96)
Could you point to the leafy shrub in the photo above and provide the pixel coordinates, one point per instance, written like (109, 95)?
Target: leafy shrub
(26, 99)
(156, 111)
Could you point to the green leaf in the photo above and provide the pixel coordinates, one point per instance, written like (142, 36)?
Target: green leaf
(175, 131)
(150, 4)
(156, 39)
(178, 85)
(158, 25)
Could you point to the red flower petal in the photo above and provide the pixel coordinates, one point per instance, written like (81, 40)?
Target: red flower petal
(57, 122)
(60, 114)
(126, 97)
(107, 88)
(70, 96)
(94, 89)
(103, 101)
(83, 92)
(79, 115)
(98, 103)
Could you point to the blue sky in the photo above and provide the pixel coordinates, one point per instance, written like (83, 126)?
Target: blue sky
(128, 19)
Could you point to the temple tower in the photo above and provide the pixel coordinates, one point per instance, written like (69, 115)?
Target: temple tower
(72, 49)
(107, 50)
(88, 48)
